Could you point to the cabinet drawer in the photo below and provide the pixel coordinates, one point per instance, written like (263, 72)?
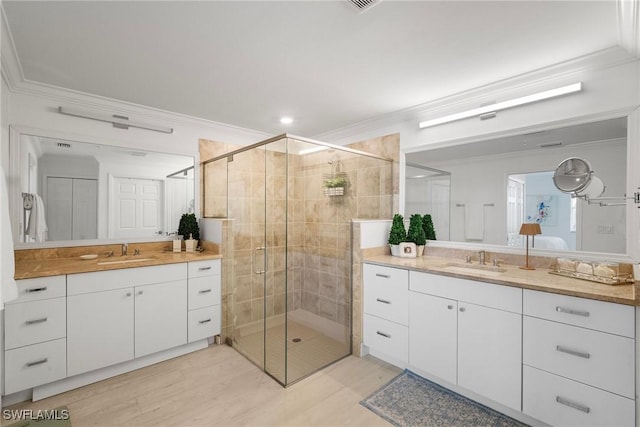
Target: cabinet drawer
(386, 337)
(35, 322)
(84, 283)
(595, 358)
(40, 288)
(204, 323)
(204, 291)
(34, 365)
(505, 298)
(599, 315)
(561, 402)
(386, 293)
(204, 268)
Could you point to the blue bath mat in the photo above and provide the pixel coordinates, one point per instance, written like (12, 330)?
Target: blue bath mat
(410, 400)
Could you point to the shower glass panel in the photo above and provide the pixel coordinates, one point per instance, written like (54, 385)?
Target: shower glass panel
(290, 203)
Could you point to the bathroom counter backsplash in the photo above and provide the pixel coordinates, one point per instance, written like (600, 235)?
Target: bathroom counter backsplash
(31, 263)
(512, 275)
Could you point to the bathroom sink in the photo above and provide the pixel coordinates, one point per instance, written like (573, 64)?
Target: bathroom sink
(488, 270)
(125, 261)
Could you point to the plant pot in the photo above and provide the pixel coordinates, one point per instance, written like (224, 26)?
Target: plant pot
(334, 191)
(190, 245)
(395, 250)
(420, 250)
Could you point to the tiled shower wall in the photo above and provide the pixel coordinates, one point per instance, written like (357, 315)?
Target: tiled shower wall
(317, 227)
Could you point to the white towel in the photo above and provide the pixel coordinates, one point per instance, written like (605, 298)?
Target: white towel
(37, 228)
(474, 221)
(8, 288)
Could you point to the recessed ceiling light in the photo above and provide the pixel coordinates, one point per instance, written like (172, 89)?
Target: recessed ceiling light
(286, 120)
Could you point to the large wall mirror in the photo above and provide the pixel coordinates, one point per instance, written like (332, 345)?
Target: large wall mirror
(71, 191)
(482, 192)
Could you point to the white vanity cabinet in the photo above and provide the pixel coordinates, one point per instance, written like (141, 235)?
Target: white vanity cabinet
(467, 333)
(578, 360)
(117, 315)
(35, 334)
(386, 303)
(204, 317)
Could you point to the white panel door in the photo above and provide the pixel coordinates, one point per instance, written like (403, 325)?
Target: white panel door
(99, 330)
(160, 317)
(490, 353)
(85, 209)
(433, 335)
(137, 207)
(59, 208)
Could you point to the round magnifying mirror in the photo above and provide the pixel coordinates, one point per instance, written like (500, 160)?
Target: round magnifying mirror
(594, 190)
(572, 175)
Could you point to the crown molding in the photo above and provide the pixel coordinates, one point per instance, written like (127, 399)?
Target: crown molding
(628, 12)
(11, 68)
(512, 86)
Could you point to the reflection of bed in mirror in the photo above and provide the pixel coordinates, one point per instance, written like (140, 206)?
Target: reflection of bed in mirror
(92, 191)
(515, 173)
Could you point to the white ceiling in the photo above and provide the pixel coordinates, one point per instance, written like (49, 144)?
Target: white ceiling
(248, 63)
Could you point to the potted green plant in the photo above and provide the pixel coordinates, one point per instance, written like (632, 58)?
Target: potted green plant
(427, 224)
(416, 233)
(334, 186)
(397, 234)
(190, 231)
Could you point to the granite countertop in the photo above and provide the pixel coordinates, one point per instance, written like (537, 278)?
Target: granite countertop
(27, 269)
(539, 279)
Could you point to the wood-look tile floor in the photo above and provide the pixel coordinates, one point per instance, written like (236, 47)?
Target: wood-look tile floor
(219, 387)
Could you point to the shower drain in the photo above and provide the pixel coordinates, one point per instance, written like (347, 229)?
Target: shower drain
(297, 339)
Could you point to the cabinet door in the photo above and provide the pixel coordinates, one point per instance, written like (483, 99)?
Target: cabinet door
(433, 334)
(99, 330)
(490, 353)
(160, 317)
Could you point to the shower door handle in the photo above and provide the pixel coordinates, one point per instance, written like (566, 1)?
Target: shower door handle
(264, 257)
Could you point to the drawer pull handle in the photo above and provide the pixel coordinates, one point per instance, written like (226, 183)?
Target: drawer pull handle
(128, 294)
(573, 405)
(573, 352)
(204, 268)
(37, 362)
(572, 311)
(449, 307)
(384, 301)
(204, 291)
(383, 334)
(204, 321)
(33, 322)
(462, 309)
(42, 289)
(384, 276)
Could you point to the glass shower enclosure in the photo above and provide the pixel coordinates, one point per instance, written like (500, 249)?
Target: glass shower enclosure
(289, 203)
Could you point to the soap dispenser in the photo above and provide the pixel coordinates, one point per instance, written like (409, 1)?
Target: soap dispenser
(190, 244)
(177, 243)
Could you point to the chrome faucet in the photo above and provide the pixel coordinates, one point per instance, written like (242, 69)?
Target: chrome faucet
(124, 249)
(481, 260)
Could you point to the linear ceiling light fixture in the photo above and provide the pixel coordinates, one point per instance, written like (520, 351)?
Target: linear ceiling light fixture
(492, 108)
(120, 122)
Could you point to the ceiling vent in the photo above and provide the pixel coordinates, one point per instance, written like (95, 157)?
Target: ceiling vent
(362, 5)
